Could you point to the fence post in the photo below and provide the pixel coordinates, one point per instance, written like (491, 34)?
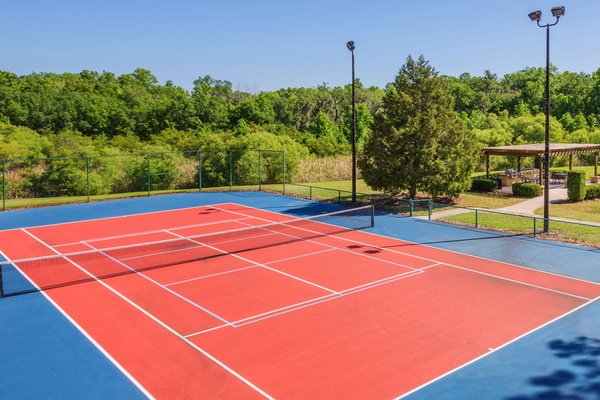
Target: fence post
(430, 208)
(149, 183)
(476, 219)
(199, 170)
(87, 173)
(310, 192)
(259, 170)
(230, 170)
(283, 153)
(3, 185)
(410, 207)
(339, 197)
(534, 226)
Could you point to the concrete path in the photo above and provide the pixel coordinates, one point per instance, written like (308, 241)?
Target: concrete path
(529, 206)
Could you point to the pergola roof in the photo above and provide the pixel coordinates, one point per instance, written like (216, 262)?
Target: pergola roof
(537, 149)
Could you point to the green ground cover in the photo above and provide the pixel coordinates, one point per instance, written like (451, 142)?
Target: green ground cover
(588, 210)
(571, 232)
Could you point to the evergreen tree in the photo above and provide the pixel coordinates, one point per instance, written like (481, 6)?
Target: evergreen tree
(418, 143)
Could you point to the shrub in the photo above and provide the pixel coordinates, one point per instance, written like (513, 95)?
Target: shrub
(526, 189)
(576, 185)
(592, 192)
(484, 184)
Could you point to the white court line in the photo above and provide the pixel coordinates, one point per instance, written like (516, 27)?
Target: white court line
(519, 282)
(496, 349)
(210, 276)
(299, 256)
(266, 228)
(128, 235)
(342, 294)
(413, 243)
(317, 300)
(161, 323)
(83, 331)
(198, 306)
(448, 264)
(114, 217)
(257, 264)
(241, 269)
(145, 255)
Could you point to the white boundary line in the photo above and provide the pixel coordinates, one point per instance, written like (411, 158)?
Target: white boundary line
(256, 263)
(164, 325)
(496, 349)
(129, 235)
(266, 228)
(198, 306)
(113, 217)
(317, 300)
(83, 332)
(449, 264)
(418, 244)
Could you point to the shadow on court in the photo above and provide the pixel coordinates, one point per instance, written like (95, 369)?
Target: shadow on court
(580, 381)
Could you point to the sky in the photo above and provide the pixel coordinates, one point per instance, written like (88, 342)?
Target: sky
(262, 45)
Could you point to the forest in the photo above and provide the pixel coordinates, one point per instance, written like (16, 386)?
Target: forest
(85, 117)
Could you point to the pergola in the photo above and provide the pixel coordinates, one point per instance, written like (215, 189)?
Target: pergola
(537, 150)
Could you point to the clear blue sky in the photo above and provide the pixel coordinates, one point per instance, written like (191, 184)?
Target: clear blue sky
(270, 44)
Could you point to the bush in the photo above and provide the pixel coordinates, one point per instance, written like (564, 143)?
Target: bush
(525, 189)
(576, 185)
(484, 184)
(592, 192)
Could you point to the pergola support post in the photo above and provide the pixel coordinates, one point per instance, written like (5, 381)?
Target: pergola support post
(519, 164)
(596, 164)
(570, 162)
(541, 170)
(487, 166)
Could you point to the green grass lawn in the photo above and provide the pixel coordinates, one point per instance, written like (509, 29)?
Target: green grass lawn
(588, 210)
(570, 232)
(488, 201)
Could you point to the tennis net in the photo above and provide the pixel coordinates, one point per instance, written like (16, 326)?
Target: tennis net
(43, 273)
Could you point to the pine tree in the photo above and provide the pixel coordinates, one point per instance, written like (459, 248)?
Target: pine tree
(418, 143)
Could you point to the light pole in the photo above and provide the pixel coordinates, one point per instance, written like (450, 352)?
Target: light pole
(350, 46)
(536, 16)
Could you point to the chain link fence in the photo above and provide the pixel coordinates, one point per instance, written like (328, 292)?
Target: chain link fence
(43, 181)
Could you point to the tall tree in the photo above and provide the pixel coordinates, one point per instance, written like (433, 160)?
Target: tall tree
(418, 143)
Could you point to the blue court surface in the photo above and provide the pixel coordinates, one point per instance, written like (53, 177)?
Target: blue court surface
(43, 355)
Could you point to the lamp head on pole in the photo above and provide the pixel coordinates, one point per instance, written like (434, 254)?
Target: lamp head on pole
(350, 45)
(558, 11)
(535, 16)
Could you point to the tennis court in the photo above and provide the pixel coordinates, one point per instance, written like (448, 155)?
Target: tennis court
(233, 299)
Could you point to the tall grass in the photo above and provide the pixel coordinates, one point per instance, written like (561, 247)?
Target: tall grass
(324, 169)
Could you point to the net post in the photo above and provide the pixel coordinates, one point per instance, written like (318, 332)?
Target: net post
(199, 170)
(534, 226)
(87, 173)
(230, 170)
(310, 192)
(259, 170)
(149, 178)
(372, 215)
(476, 219)
(3, 185)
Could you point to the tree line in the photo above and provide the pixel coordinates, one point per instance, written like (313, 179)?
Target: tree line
(100, 113)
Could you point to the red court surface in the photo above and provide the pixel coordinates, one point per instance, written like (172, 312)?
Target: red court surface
(305, 311)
